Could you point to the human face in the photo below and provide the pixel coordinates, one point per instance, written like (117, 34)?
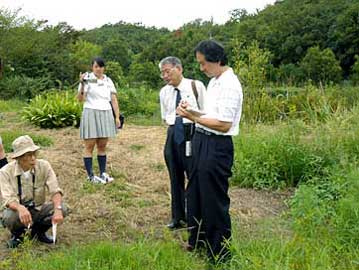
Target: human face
(209, 68)
(172, 75)
(97, 70)
(28, 160)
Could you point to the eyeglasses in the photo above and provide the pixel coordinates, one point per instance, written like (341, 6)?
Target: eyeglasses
(166, 72)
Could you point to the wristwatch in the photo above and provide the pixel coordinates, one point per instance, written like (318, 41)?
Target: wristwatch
(59, 207)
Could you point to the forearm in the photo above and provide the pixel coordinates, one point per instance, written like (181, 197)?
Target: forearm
(81, 93)
(57, 200)
(15, 206)
(213, 123)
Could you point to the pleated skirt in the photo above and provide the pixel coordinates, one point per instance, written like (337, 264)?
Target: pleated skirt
(97, 124)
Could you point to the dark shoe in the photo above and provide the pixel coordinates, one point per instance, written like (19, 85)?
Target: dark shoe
(14, 241)
(175, 225)
(43, 238)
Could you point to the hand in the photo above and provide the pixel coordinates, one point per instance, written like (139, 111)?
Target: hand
(118, 122)
(184, 104)
(82, 77)
(25, 216)
(184, 113)
(57, 217)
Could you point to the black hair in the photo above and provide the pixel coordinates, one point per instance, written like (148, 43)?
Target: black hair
(213, 51)
(99, 61)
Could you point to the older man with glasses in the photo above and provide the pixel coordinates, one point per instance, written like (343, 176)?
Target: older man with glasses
(177, 150)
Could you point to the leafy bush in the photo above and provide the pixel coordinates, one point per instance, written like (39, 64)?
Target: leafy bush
(138, 101)
(23, 87)
(53, 110)
(321, 66)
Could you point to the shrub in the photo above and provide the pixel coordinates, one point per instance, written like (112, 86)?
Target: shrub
(23, 87)
(138, 101)
(54, 110)
(321, 66)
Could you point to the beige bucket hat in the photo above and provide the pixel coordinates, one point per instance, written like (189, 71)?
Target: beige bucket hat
(22, 145)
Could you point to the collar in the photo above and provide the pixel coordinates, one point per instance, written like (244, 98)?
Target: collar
(181, 85)
(228, 72)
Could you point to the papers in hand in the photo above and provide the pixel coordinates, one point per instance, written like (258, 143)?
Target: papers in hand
(54, 232)
(195, 112)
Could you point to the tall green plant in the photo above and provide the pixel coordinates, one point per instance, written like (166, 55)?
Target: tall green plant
(53, 110)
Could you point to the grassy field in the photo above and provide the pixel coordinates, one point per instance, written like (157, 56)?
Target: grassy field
(122, 225)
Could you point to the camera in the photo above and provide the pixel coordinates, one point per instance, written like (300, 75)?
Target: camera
(88, 79)
(30, 204)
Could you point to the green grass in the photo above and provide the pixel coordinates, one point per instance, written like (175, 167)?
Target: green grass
(268, 244)
(136, 147)
(9, 136)
(142, 120)
(294, 152)
(144, 254)
(11, 105)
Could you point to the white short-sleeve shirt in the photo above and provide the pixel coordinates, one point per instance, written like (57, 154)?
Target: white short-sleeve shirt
(168, 96)
(98, 92)
(224, 102)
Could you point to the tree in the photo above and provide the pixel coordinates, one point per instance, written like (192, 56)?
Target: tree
(115, 72)
(321, 66)
(117, 50)
(251, 65)
(146, 73)
(81, 55)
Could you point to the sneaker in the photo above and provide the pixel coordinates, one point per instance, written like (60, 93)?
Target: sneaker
(105, 177)
(96, 180)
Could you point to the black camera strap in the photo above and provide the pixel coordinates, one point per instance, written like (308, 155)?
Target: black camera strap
(19, 187)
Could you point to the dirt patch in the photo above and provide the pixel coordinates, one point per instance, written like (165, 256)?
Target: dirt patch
(138, 201)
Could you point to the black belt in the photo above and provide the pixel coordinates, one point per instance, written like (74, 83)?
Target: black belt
(205, 132)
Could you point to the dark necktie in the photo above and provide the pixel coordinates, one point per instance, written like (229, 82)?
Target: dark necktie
(179, 129)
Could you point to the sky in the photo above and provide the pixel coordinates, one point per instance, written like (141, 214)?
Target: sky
(170, 14)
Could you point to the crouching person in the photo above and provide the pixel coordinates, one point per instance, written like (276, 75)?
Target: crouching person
(24, 184)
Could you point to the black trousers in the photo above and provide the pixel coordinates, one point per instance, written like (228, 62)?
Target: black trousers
(207, 194)
(178, 168)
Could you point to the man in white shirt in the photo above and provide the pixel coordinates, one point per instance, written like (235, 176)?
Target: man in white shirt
(179, 134)
(207, 194)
